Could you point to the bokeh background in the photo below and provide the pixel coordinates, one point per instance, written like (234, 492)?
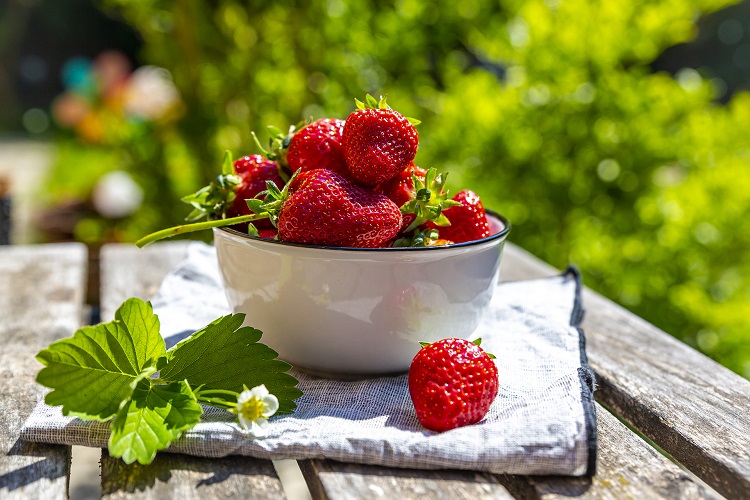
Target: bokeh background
(613, 133)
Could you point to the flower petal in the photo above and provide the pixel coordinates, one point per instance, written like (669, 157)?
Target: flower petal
(270, 405)
(244, 397)
(259, 391)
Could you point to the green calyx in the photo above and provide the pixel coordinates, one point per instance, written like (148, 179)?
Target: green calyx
(212, 203)
(429, 202)
(478, 343)
(425, 238)
(278, 145)
(372, 103)
(272, 200)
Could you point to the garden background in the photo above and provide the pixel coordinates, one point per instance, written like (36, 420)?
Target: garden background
(613, 133)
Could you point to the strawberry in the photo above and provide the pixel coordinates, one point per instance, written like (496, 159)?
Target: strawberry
(322, 207)
(253, 172)
(318, 145)
(468, 220)
(378, 142)
(452, 383)
(400, 189)
(267, 234)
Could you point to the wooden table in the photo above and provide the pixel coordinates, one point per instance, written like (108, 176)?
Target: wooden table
(671, 422)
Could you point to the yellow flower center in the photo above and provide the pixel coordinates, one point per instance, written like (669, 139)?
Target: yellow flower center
(252, 409)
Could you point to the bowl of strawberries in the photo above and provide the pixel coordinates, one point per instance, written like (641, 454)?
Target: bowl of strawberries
(343, 251)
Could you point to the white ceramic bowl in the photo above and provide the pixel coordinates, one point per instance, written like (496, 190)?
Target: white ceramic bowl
(354, 311)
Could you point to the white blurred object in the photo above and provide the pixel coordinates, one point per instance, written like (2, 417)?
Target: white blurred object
(150, 93)
(117, 195)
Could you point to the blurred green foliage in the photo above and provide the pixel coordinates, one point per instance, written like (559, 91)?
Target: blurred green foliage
(546, 108)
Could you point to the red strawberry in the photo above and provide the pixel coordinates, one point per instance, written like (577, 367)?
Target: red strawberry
(378, 142)
(324, 208)
(468, 220)
(452, 383)
(253, 172)
(267, 234)
(400, 189)
(318, 145)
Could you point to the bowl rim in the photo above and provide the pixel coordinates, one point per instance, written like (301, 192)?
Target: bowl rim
(499, 235)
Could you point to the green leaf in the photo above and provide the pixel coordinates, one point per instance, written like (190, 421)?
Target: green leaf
(91, 373)
(227, 167)
(152, 418)
(275, 132)
(255, 205)
(371, 101)
(260, 147)
(225, 355)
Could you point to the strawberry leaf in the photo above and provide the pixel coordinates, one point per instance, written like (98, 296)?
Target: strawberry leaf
(252, 230)
(371, 101)
(212, 201)
(154, 416)
(275, 132)
(227, 344)
(91, 373)
(227, 167)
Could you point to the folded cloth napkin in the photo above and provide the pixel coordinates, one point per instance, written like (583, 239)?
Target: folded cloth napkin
(542, 421)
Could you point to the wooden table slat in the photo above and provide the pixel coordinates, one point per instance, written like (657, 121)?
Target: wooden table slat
(41, 300)
(695, 409)
(127, 271)
(328, 479)
(627, 467)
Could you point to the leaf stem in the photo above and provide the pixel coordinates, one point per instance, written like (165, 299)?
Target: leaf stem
(197, 226)
(219, 403)
(201, 392)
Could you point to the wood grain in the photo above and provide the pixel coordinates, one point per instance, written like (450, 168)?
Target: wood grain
(695, 409)
(185, 477)
(627, 467)
(41, 300)
(127, 271)
(328, 479)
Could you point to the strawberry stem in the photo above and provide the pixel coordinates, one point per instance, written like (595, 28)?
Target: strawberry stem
(198, 226)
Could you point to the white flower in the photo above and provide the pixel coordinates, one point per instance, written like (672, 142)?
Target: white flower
(150, 93)
(254, 406)
(117, 195)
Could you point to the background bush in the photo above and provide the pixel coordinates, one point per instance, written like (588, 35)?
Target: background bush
(549, 109)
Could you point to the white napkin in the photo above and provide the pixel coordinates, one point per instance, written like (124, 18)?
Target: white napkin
(542, 421)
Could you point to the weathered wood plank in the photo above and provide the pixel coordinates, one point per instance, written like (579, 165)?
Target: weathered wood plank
(41, 300)
(127, 271)
(695, 409)
(183, 477)
(328, 479)
(627, 467)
